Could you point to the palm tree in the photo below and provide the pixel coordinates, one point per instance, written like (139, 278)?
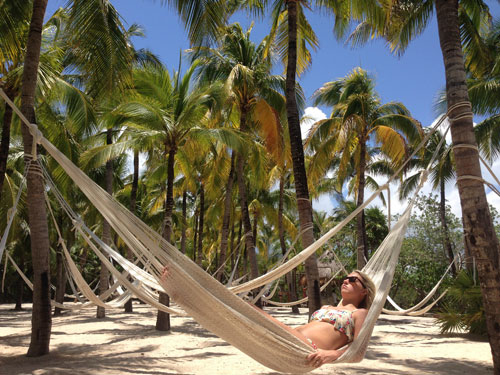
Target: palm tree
(358, 118)
(253, 93)
(166, 111)
(42, 321)
(399, 22)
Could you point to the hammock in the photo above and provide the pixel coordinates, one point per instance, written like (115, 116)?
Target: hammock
(216, 307)
(414, 311)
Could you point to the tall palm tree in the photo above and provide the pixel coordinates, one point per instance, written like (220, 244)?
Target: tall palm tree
(358, 118)
(253, 93)
(41, 322)
(400, 22)
(166, 110)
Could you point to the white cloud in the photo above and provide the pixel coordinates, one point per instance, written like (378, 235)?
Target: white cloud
(323, 203)
(311, 115)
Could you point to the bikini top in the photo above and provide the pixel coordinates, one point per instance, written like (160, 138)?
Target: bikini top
(341, 320)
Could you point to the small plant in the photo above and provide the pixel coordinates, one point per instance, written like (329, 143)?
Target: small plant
(463, 310)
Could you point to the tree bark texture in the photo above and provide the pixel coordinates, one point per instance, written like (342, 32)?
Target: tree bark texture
(299, 171)
(479, 232)
(37, 215)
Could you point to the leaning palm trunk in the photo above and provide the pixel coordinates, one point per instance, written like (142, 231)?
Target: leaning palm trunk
(41, 316)
(299, 170)
(479, 232)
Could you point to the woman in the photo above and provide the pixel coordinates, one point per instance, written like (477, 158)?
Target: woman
(333, 327)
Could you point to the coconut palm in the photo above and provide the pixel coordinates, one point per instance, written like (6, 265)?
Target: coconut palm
(253, 93)
(399, 22)
(358, 117)
(41, 322)
(166, 111)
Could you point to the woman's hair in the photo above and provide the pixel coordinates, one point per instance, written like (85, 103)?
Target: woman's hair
(370, 290)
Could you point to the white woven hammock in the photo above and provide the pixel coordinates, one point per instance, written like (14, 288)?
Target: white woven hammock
(216, 307)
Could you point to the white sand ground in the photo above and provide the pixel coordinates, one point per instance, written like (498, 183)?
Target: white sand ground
(129, 344)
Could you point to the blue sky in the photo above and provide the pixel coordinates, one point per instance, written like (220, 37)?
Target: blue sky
(414, 79)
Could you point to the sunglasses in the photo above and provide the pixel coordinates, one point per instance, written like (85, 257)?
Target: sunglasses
(352, 279)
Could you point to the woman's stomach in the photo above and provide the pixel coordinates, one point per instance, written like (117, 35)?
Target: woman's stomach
(323, 334)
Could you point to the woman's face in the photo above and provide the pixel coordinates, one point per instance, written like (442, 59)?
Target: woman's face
(353, 284)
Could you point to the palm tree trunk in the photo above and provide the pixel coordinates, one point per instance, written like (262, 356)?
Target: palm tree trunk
(133, 202)
(195, 238)
(245, 215)
(184, 222)
(362, 254)
(299, 171)
(201, 224)
(292, 292)
(41, 316)
(444, 226)
(106, 228)
(5, 142)
(479, 231)
(226, 218)
(163, 318)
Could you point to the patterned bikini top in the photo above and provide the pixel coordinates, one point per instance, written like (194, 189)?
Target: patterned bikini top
(341, 320)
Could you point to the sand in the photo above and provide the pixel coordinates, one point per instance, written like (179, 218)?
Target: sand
(125, 343)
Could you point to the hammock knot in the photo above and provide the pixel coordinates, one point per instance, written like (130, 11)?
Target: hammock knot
(77, 223)
(37, 138)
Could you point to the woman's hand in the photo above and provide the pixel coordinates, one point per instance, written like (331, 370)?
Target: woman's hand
(164, 274)
(320, 357)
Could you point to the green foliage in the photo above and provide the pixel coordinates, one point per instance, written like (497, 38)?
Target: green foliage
(463, 309)
(423, 259)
